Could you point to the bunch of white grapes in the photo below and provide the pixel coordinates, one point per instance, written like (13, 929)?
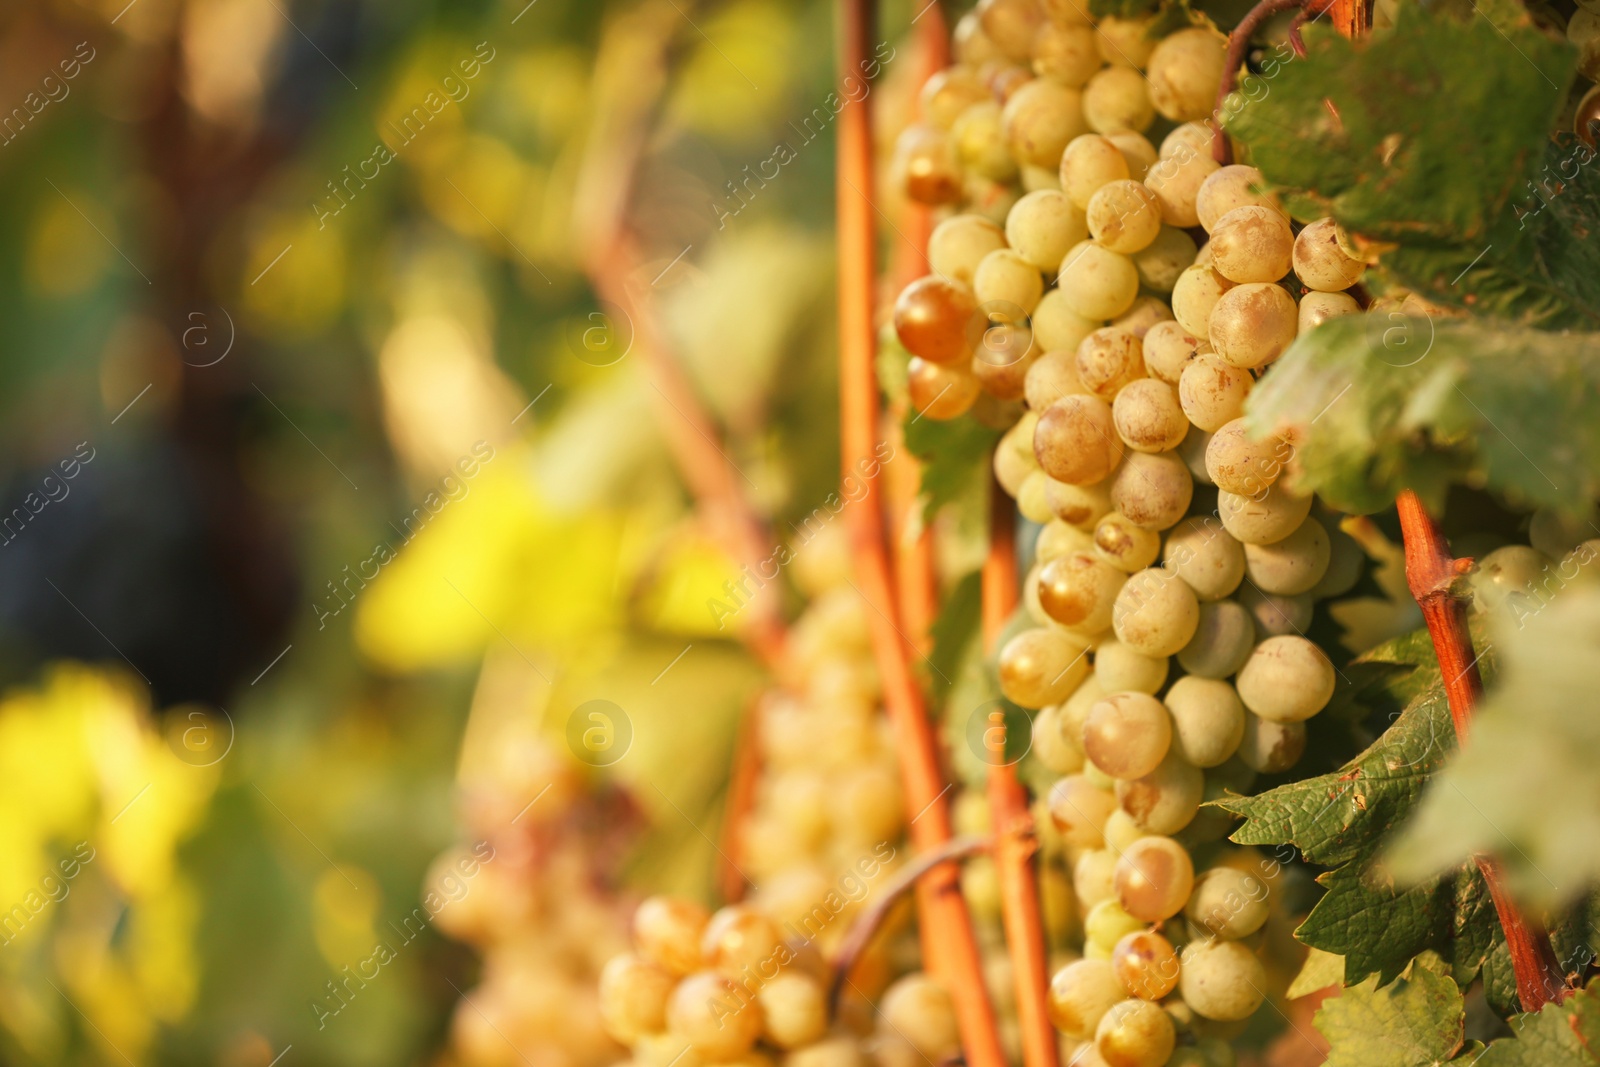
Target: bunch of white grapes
(1120, 305)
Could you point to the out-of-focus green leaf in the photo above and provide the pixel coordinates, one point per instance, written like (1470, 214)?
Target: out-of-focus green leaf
(954, 454)
(1380, 405)
(1560, 1035)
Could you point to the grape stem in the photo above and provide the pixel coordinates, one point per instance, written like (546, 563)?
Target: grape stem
(1014, 834)
(871, 919)
(950, 948)
(1431, 574)
(742, 781)
(1239, 44)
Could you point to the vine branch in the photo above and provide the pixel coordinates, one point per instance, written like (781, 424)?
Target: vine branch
(1431, 573)
(1014, 834)
(950, 949)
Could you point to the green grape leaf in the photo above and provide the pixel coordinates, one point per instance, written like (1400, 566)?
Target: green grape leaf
(954, 454)
(1321, 970)
(1527, 788)
(1344, 819)
(1376, 404)
(1559, 1035)
(1356, 130)
(1415, 1021)
(957, 625)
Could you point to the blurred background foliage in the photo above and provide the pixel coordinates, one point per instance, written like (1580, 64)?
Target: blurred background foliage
(364, 521)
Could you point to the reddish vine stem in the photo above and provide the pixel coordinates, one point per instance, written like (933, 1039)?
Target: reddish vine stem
(1015, 839)
(1238, 45)
(869, 921)
(950, 948)
(1431, 574)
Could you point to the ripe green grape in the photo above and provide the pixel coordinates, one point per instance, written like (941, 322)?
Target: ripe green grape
(1040, 118)
(1318, 308)
(1271, 747)
(1185, 70)
(1286, 679)
(1066, 54)
(932, 317)
(1012, 25)
(1093, 876)
(979, 135)
(1123, 216)
(1227, 903)
(1080, 995)
(949, 92)
(925, 165)
(1096, 282)
(1143, 314)
(667, 932)
(1078, 811)
(1253, 323)
(1152, 489)
(1136, 149)
(1125, 546)
(1076, 441)
(1117, 99)
(1108, 359)
(1153, 878)
(1050, 377)
(1004, 277)
(1033, 499)
(1121, 831)
(842, 1051)
(1205, 556)
(1252, 244)
(739, 937)
(1207, 719)
(1125, 42)
(1155, 613)
(633, 997)
(1146, 965)
(719, 1019)
(1087, 163)
(1222, 640)
(1042, 226)
(1107, 923)
(941, 391)
(794, 1008)
(1176, 181)
(1321, 263)
(958, 244)
(1232, 187)
(1221, 980)
(1135, 1033)
(918, 1007)
(1002, 359)
(1275, 614)
(1081, 506)
(1505, 574)
(1241, 464)
(1042, 666)
(1293, 565)
(1189, 139)
(1345, 560)
(1059, 752)
(1168, 350)
(1212, 392)
(1148, 416)
(1262, 518)
(1056, 327)
(1160, 263)
(1195, 296)
(1080, 591)
(1127, 735)
(1165, 800)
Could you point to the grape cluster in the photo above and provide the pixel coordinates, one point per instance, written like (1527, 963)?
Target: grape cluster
(1116, 303)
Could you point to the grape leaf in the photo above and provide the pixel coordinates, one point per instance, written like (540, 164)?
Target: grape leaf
(957, 625)
(1559, 1035)
(1488, 213)
(1344, 819)
(954, 455)
(1380, 404)
(1528, 786)
(1356, 129)
(1415, 1021)
(1321, 970)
